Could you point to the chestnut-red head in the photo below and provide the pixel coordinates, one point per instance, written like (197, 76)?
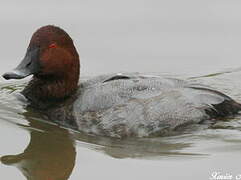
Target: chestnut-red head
(51, 57)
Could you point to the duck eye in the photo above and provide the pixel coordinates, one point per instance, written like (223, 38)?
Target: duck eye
(53, 45)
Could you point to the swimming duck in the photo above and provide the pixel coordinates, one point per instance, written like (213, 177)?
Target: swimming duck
(115, 105)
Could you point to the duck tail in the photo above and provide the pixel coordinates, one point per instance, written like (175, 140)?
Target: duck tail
(228, 107)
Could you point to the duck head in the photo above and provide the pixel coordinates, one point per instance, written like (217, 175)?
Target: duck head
(53, 61)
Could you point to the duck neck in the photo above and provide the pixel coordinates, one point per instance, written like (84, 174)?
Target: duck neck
(51, 89)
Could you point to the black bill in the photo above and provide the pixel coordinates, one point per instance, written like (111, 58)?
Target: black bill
(29, 65)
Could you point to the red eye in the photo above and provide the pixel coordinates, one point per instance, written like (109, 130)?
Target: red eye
(53, 45)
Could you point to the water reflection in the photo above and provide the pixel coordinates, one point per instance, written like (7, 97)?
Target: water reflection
(50, 154)
(136, 147)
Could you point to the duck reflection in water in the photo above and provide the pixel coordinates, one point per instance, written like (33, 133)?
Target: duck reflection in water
(50, 154)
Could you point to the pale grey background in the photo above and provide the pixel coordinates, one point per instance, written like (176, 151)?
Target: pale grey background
(176, 36)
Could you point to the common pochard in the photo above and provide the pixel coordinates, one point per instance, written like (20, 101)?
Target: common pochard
(116, 105)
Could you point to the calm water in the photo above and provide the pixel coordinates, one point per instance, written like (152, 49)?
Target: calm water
(184, 39)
